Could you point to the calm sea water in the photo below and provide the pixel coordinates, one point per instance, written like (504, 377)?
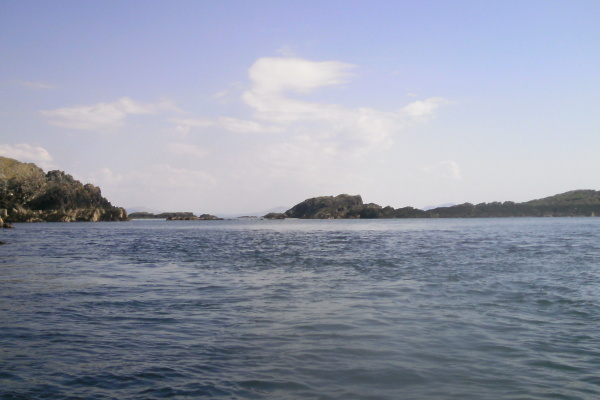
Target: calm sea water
(388, 309)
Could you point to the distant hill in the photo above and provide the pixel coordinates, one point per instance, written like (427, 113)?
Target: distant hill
(28, 194)
(570, 204)
(574, 197)
(576, 203)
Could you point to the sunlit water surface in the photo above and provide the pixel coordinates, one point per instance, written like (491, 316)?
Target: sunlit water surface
(388, 309)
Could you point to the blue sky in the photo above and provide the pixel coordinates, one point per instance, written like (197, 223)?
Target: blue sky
(237, 106)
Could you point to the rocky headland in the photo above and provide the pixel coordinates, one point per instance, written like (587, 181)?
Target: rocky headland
(576, 203)
(28, 194)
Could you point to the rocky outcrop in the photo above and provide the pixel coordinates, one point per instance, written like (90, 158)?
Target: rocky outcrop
(171, 216)
(175, 216)
(576, 203)
(142, 215)
(345, 206)
(2, 223)
(274, 215)
(209, 217)
(203, 217)
(182, 218)
(30, 195)
(327, 207)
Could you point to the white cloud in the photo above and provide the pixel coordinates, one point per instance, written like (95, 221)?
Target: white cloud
(274, 80)
(27, 153)
(279, 74)
(358, 130)
(423, 108)
(316, 143)
(235, 125)
(184, 149)
(444, 169)
(273, 77)
(241, 126)
(194, 122)
(103, 115)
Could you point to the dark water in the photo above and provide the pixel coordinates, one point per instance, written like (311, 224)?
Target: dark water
(399, 309)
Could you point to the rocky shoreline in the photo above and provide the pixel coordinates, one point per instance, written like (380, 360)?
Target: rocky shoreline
(576, 203)
(27, 194)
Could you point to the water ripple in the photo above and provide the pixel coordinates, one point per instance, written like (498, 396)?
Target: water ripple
(447, 309)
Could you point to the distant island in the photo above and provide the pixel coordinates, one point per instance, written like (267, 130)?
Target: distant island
(28, 194)
(175, 216)
(576, 203)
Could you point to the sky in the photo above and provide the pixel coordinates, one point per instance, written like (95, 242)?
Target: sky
(234, 107)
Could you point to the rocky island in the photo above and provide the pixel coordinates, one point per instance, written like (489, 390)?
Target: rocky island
(576, 203)
(28, 194)
(175, 216)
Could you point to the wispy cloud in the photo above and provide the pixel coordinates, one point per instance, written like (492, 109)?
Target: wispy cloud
(286, 51)
(103, 116)
(273, 78)
(311, 142)
(444, 169)
(358, 130)
(235, 125)
(423, 108)
(165, 176)
(186, 150)
(36, 85)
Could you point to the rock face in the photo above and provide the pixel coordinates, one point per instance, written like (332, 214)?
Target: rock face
(27, 194)
(345, 206)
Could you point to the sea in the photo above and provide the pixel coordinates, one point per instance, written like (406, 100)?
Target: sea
(301, 309)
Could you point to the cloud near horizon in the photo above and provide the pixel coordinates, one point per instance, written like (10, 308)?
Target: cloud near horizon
(444, 169)
(103, 116)
(168, 186)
